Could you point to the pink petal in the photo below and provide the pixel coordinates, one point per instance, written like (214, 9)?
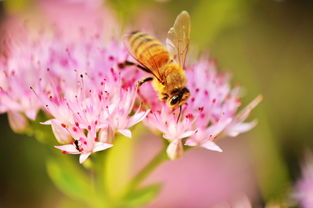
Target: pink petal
(48, 122)
(187, 134)
(191, 142)
(175, 149)
(17, 121)
(137, 118)
(83, 157)
(106, 135)
(68, 149)
(171, 137)
(99, 146)
(31, 114)
(172, 130)
(243, 115)
(217, 128)
(211, 146)
(125, 132)
(239, 128)
(60, 133)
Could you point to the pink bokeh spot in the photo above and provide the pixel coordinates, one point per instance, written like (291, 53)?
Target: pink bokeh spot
(200, 178)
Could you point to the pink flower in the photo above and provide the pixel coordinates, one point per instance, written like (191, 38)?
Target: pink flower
(304, 187)
(75, 80)
(88, 100)
(209, 113)
(32, 44)
(18, 65)
(165, 121)
(16, 75)
(83, 145)
(119, 110)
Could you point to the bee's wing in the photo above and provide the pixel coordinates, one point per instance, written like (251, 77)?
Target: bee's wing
(178, 38)
(151, 67)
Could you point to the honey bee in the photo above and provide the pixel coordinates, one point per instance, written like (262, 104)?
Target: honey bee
(165, 64)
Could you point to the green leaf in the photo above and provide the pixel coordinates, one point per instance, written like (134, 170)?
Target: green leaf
(143, 196)
(71, 179)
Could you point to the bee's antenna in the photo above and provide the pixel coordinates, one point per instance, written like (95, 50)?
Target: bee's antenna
(180, 108)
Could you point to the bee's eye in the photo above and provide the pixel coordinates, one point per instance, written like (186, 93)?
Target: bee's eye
(174, 100)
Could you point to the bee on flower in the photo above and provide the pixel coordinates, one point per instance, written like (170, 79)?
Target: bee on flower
(207, 104)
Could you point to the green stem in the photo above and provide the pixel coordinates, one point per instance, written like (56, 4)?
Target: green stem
(96, 170)
(154, 163)
(145, 172)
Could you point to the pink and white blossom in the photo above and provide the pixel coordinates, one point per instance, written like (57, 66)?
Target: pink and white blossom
(84, 145)
(76, 81)
(210, 112)
(88, 101)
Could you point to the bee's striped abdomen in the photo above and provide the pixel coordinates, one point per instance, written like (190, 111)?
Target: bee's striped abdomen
(148, 50)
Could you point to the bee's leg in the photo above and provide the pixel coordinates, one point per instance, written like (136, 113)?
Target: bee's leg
(180, 108)
(129, 63)
(147, 79)
(126, 63)
(141, 82)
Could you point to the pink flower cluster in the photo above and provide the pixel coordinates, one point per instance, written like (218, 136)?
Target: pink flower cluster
(78, 83)
(210, 112)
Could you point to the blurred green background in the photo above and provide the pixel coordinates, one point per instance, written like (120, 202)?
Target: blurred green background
(268, 48)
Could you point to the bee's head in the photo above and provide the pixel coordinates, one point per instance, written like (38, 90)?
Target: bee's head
(178, 97)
